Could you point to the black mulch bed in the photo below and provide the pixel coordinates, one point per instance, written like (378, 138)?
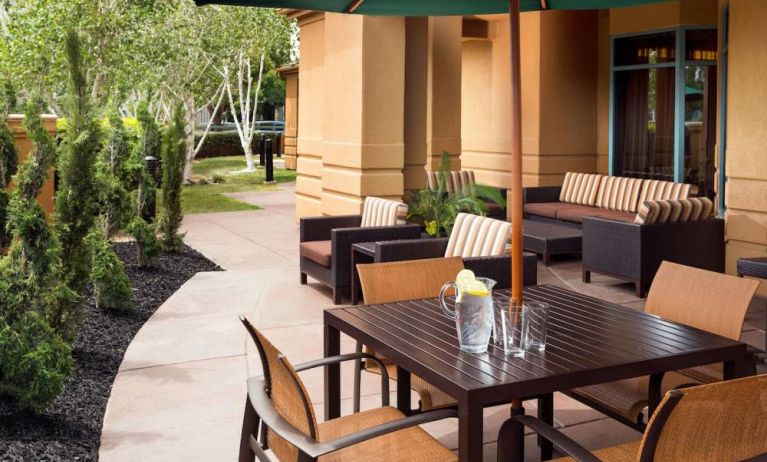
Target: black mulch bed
(70, 430)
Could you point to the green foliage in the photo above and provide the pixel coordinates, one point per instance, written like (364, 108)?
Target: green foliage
(438, 209)
(77, 197)
(111, 286)
(112, 177)
(5, 235)
(9, 154)
(222, 144)
(10, 102)
(173, 160)
(146, 241)
(36, 362)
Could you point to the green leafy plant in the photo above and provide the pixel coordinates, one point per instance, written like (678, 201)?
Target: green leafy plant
(36, 362)
(173, 161)
(111, 286)
(146, 240)
(9, 159)
(438, 209)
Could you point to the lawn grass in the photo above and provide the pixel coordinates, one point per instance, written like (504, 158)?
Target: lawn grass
(202, 198)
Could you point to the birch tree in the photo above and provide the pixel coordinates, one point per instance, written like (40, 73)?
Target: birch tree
(248, 104)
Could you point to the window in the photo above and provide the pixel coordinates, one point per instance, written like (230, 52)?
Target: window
(664, 107)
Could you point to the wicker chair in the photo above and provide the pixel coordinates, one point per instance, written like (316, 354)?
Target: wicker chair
(326, 242)
(279, 416)
(720, 422)
(396, 282)
(710, 301)
(481, 241)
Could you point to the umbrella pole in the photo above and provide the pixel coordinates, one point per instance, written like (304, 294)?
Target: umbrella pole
(516, 155)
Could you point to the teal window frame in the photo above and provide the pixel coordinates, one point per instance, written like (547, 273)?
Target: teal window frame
(724, 48)
(679, 83)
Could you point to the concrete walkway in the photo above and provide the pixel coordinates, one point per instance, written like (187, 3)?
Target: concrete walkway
(181, 387)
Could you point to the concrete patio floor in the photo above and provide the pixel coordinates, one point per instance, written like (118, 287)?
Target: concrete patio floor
(180, 391)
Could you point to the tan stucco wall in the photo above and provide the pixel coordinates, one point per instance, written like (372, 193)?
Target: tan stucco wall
(559, 98)
(291, 118)
(25, 146)
(746, 156)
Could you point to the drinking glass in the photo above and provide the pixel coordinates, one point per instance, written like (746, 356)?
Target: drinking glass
(473, 316)
(511, 329)
(537, 320)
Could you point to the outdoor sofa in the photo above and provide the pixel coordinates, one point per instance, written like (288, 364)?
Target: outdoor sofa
(481, 241)
(631, 225)
(325, 242)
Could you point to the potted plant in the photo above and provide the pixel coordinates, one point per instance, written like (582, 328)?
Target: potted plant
(437, 208)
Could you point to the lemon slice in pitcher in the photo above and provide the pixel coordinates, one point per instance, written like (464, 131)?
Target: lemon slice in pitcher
(477, 289)
(464, 278)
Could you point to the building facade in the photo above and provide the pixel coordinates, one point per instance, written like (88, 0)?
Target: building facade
(672, 90)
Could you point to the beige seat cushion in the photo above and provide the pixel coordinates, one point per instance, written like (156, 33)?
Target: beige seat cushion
(545, 209)
(410, 444)
(616, 215)
(576, 213)
(319, 252)
(628, 452)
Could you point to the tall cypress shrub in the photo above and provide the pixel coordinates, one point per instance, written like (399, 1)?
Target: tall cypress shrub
(76, 199)
(9, 159)
(173, 158)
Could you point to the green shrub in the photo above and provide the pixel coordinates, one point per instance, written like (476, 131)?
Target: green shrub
(111, 286)
(9, 154)
(36, 362)
(173, 160)
(218, 178)
(5, 235)
(146, 240)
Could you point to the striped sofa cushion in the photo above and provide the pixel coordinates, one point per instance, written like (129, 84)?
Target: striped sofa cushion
(580, 188)
(476, 236)
(455, 180)
(619, 193)
(658, 190)
(383, 212)
(674, 211)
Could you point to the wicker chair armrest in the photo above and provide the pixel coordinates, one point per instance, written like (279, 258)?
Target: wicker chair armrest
(498, 268)
(411, 249)
(263, 406)
(541, 194)
(562, 441)
(319, 228)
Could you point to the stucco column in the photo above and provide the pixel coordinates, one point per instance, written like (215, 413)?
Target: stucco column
(362, 116)
(432, 96)
(25, 146)
(309, 143)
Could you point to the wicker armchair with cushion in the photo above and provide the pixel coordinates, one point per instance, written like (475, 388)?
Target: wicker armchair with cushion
(279, 416)
(681, 231)
(326, 242)
(460, 179)
(480, 241)
(709, 301)
(723, 422)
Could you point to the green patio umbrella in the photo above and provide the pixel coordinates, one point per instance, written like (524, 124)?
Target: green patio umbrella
(463, 7)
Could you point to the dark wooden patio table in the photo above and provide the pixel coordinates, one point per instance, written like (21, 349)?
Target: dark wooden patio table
(590, 341)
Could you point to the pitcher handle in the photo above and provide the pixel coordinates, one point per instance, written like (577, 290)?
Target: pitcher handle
(450, 313)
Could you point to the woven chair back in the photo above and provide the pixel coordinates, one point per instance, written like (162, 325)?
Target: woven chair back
(287, 392)
(722, 422)
(710, 301)
(406, 280)
(476, 236)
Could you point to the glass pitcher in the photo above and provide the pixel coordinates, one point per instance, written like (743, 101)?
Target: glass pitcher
(473, 315)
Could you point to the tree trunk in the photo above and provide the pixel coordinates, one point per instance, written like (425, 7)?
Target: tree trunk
(190, 147)
(248, 149)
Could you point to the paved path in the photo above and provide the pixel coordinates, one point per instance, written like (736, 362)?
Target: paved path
(181, 387)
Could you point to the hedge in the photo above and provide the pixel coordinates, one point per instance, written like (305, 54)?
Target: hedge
(221, 144)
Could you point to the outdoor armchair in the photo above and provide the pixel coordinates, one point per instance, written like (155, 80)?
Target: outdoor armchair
(279, 416)
(480, 241)
(709, 301)
(723, 422)
(325, 242)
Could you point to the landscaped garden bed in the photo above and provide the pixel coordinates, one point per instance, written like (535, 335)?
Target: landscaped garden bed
(70, 428)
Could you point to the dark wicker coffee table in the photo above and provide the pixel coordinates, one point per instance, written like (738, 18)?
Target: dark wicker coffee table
(756, 268)
(548, 239)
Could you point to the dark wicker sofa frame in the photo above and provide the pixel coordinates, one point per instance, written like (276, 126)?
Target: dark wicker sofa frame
(497, 268)
(634, 252)
(343, 231)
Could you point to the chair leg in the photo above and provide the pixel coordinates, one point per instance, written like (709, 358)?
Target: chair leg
(586, 276)
(639, 287)
(357, 379)
(546, 414)
(337, 296)
(303, 278)
(250, 421)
